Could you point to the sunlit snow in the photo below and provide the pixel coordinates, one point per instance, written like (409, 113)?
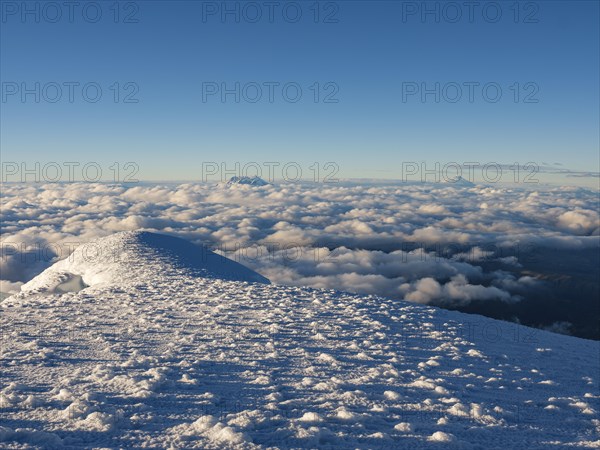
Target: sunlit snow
(167, 347)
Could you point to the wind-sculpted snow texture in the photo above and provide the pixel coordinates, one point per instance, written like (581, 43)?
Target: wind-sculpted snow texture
(136, 255)
(157, 353)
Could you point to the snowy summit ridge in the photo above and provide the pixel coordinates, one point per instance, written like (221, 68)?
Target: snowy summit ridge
(135, 255)
(165, 350)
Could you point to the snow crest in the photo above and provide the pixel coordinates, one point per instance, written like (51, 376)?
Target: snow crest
(133, 256)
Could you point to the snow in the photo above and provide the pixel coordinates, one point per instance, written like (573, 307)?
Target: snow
(245, 180)
(129, 256)
(160, 349)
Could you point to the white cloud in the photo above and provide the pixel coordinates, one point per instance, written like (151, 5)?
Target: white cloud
(7, 287)
(420, 241)
(456, 291)
(581, 221)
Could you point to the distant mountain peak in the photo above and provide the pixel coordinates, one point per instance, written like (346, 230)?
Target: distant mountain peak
(460, 181)
(250, 181)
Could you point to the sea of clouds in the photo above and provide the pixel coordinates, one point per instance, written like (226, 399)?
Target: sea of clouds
(422, 242)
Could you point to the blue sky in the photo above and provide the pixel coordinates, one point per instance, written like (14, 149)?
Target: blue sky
(368, 55)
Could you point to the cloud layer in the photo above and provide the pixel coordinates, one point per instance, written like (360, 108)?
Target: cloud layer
(422, 242)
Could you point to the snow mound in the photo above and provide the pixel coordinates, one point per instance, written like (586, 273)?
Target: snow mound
(250, 181)
(133, 256)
